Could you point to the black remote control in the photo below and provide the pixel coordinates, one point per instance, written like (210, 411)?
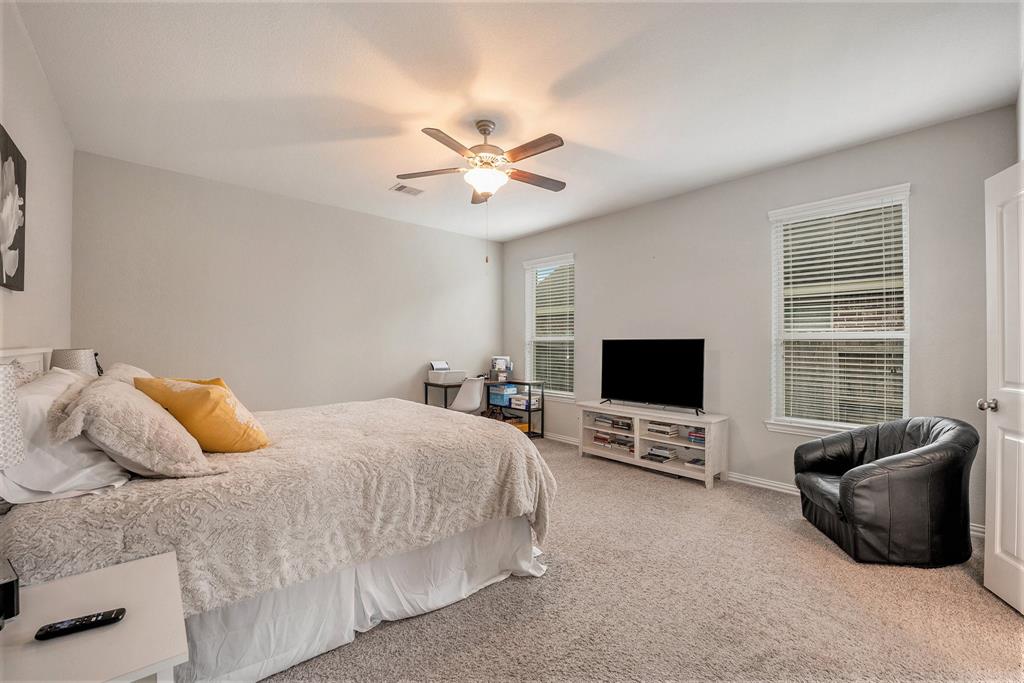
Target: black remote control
(69, 626)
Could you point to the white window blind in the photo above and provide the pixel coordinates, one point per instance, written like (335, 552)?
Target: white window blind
(551, 323)
(839, 283)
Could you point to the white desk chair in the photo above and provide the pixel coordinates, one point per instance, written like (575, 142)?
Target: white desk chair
(470, 396)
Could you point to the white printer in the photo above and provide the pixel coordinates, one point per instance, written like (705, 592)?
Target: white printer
(440, 373)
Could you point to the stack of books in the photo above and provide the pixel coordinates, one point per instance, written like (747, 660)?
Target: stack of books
(663, 429)
(659, 453)
(615, 441)
(522, 402)
(623, 423)
(696, 436)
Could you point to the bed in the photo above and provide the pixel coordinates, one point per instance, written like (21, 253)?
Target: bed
(357, 513)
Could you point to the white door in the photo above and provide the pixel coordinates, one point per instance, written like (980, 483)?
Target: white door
(1004, 403)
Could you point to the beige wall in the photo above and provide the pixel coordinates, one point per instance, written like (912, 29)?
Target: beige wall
(699, 265)
(40, 315)
(292, 303)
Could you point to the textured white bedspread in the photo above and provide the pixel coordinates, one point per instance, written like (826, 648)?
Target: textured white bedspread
(340, 484)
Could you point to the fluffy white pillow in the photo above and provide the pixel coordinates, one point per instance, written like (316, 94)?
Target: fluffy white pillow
(123, 372)
(133, 429)
(23, 374)
(52, 470)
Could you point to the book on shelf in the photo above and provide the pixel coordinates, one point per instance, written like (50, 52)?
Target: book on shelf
(660, 453)
(696, 461)
(657, 458)
(614, 423)
(613, 441)
(663, 428)
(521, 402)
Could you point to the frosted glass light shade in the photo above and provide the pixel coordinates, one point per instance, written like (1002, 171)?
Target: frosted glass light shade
(12, 440)
(486, 180)
(82, 360)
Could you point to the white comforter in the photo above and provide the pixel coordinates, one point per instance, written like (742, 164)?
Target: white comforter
(340, 484)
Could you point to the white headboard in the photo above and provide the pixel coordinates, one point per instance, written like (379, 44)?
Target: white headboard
(34, 359)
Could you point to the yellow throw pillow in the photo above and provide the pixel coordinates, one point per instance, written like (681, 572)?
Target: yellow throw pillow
(209, 411)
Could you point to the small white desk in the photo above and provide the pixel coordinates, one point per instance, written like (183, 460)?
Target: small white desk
(148, 642)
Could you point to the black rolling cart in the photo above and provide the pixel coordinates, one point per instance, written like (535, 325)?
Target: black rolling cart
(533, 391)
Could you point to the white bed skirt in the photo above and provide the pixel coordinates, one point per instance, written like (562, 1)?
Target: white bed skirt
(256, 638)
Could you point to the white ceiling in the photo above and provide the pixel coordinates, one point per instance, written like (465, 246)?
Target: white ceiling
(324, 102)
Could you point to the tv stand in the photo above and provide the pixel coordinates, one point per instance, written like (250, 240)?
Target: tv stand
(638, 439)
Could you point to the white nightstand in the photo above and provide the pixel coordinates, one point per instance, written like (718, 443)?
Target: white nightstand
(147, 643)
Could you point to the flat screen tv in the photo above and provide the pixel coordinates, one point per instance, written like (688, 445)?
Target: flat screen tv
(666, 372)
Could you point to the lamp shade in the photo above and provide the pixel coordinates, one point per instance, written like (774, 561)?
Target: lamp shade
(486, 180)
(82, 360)
(12, 440)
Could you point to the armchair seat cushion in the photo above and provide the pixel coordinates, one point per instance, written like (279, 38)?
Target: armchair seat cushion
(822, 490)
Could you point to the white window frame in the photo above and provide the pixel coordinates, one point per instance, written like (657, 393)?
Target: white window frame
(529, 272)
(831, 207)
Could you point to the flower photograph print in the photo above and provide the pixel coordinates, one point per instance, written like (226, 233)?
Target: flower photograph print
(13, 170)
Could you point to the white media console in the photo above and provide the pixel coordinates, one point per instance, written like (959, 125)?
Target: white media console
(714, 450)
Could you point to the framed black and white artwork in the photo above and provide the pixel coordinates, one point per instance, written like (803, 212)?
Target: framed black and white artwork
(13, 171)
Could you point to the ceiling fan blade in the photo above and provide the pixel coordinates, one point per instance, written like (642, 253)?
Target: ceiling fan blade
(449, 141)
(538, 180)
(478, 198)
(424, 174)
(541, 144)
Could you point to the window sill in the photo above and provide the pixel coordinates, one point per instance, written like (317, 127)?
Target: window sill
(559, 397)
(806, 428)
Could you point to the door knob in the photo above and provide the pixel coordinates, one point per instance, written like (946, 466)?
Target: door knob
(991, 404)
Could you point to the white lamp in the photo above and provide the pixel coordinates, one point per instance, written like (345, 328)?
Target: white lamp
(486, 180)
(12, 440)
(82, 360)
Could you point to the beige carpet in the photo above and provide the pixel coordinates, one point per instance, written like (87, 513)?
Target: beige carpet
(654, 578)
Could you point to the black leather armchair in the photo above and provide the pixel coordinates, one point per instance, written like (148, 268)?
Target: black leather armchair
(895, 492)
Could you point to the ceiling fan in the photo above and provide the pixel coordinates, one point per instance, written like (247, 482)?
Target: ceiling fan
(489, 165)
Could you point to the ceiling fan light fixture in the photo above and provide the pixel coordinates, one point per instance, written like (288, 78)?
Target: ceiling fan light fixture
(486, 180)
(489, 165)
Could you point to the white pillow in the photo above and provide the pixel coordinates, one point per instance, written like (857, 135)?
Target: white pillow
(123, 372)
(133, 429)
(52, 471)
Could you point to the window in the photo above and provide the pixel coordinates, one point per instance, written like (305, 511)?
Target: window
(551, 323)
(839, 314)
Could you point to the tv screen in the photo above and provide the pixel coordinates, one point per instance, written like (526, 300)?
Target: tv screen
(663, 371)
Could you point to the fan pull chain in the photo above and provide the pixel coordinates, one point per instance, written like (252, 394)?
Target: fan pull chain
(487, 231)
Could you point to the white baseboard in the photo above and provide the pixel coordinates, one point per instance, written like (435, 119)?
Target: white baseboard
(764, 483)
(977, 530)
(564, 439)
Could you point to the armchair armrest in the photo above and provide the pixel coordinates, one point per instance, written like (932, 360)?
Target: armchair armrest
(832, 454)
(864, 490)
